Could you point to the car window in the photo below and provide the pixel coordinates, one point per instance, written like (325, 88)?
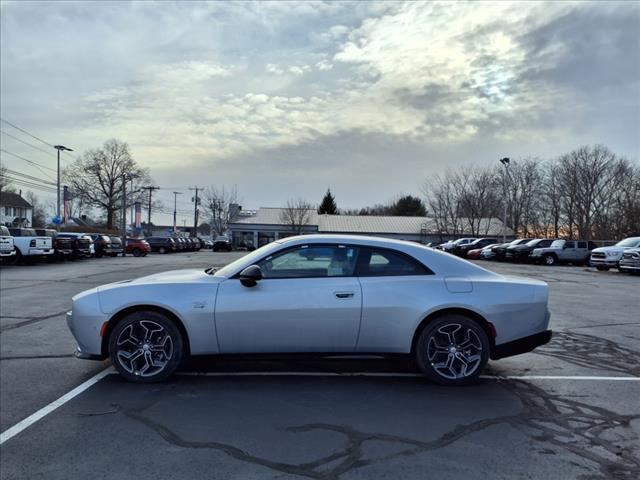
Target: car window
(383, 262)
(4, 231)
(570, 244)
(310, 261)
(582, 244)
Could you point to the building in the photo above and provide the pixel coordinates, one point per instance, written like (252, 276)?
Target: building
(266, 225)
(15, 211)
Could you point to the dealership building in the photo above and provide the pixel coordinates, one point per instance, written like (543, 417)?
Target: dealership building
(258, 227)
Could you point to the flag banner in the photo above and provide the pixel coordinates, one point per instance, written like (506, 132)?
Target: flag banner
(67, 204)
(138, 218)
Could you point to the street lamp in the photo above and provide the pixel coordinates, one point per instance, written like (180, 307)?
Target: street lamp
(60, 148)
(505, 161)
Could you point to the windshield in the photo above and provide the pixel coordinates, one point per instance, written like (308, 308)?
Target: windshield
(4, 231)
(557, 244)
(533, 243)
(249, 259)
(629, 242)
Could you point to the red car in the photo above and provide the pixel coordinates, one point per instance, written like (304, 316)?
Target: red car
(475, 253)
(138, 247)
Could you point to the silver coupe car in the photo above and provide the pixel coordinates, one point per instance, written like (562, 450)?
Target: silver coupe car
(317, 294)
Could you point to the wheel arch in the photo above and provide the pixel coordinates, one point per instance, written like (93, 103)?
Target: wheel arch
(120, 315)
(487, 326)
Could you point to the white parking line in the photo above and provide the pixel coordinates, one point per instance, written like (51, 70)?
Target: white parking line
(31, 419)
(44, 411)
(392, 374)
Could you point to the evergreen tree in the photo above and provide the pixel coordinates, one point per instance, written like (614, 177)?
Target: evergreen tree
(408, 206)
(328, 204)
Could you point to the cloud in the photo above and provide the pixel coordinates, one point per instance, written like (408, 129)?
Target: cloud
(201, 85)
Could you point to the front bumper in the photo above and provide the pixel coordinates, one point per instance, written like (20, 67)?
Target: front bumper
(604, 262)
(522, 345)
(7, 253)
(629, 264)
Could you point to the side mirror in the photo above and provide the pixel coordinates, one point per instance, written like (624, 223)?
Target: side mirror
(249, 276)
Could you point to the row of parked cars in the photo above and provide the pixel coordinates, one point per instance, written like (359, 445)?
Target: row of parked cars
(25, 244)
(624, 255)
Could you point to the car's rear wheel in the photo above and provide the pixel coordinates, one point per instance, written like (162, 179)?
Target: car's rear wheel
(162, 250)
(452, 350)
(136, 252)
(146, 347)
(602, 269)
(549, 259)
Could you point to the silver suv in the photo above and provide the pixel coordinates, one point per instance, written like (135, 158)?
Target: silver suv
(564, 251)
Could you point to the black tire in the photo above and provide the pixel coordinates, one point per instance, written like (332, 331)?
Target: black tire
(602, 269)
(162, 250)
(468, 332)
(136, 252)
(99, 254)
(141, 324)
(549, 259)
(19, 258)
(113, 254)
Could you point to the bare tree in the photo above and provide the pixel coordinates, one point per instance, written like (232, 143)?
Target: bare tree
(5, 183)
(443, 203)
(297, 214)
(39, 214)
(97, 177)
(221, 205)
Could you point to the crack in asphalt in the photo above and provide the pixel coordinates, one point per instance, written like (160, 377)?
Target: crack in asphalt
(29, 321)
(36, 357)
(592, 352)
(581, 429)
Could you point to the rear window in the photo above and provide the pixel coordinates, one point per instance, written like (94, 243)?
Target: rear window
(374, 262)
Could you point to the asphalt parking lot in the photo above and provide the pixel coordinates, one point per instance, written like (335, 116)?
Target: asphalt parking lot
(568, 410)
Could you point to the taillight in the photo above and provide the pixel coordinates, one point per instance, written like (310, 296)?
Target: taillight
(32, 243)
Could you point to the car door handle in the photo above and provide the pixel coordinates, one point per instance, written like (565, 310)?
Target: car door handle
(344, 294)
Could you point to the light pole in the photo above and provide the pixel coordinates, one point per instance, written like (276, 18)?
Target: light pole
(60, 148)
(175, 205)
(505, 161)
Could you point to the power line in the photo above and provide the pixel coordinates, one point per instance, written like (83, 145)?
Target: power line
(35, 164)
(24, 131)
(28, 184)
(30, 177)
(27, 143)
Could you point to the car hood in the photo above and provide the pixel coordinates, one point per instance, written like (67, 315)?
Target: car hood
(171, 277)
(612, 250)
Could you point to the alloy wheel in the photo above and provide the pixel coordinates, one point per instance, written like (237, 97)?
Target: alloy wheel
(144, 348)
(454, 351)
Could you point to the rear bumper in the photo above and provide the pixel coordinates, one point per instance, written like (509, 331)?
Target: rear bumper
(522, 345)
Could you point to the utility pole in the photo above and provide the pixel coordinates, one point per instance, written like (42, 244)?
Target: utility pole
(60, 148)
(132, 204)
(151, 189)
(124, 215)
(505, 161)
(195, 211)
(175, 207)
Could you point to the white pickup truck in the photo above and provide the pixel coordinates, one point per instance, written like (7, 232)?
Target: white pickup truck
(7, 249)
(29, 245)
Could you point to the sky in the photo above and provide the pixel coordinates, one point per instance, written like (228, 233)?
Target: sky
(286, 99)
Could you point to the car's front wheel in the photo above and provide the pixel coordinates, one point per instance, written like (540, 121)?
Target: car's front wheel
(146, 347)
(549, 259)
(452, 350)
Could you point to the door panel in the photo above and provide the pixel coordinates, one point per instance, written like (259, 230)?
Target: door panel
(289, 315)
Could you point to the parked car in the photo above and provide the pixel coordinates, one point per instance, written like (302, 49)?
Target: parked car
(485, 253)
(222, 244)
(500, 251)
(101, 244)
(196, 243)
(82, 244)
(116, 246)
(564, 251)
(604, 258)
(451, 244)
(630, 261)
(184, 246)
(63, 246)
(7, 247)
(138, 247)
(520, 253)
(29, 245)
(495, 316)
(461, 250)
(162, 244)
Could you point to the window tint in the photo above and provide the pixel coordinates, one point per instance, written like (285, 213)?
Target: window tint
(570, 244)
(582, 244)
(310, 261)
(380, 262)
